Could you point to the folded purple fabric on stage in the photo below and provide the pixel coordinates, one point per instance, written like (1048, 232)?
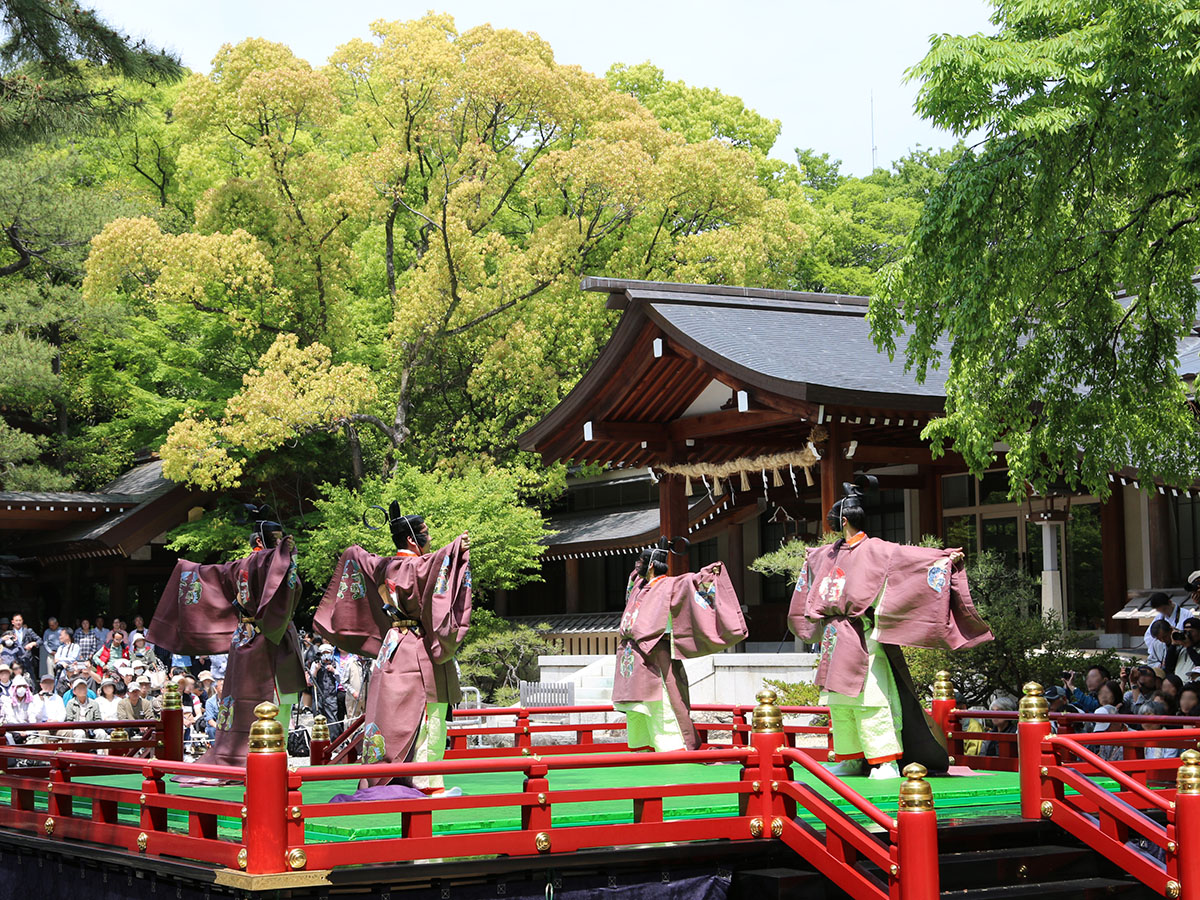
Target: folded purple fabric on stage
(381, 792)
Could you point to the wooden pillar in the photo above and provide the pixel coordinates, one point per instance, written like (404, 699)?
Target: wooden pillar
(736, 560)
(1112, 552)
(930, 509)
(835, 468)
(673, 517)
(572, 585)
(118, 602)
(500, 602)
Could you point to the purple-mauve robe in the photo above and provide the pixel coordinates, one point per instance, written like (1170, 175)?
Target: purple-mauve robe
(667, 620)
(198, 614)
(410, 669)
(916, 599)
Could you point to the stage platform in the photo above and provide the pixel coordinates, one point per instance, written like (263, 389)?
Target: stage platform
(961, 795)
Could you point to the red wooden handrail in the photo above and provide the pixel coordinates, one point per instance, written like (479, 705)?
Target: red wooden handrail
(859, 802)
(1075, 746)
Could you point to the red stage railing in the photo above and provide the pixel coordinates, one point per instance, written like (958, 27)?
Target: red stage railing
(523, 729)
(265, 833)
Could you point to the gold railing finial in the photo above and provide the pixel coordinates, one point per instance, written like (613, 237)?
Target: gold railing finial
(1188, 777)
(915, 792)
(1033, 706)
(266, 734)
(172, 699)
(320, 728)
(943, 687)
(767, 717)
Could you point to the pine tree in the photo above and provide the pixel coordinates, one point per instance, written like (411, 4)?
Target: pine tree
(48, 50)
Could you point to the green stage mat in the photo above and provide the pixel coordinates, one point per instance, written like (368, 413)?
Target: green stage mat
(955, 797)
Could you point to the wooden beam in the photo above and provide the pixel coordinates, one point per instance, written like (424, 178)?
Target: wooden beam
(727, 421)
(872, 453)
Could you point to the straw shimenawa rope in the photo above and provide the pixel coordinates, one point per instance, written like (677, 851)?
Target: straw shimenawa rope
(714, 472)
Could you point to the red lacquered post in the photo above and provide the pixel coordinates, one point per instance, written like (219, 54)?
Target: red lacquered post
(524, 738)
(942, 706)
(916, 837)
(318, 745)
(1187, 828)
(767, 737)
(172, 724)
(1033, 727)
(265, 829)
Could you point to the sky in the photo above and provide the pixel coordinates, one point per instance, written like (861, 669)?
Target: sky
(813, 64)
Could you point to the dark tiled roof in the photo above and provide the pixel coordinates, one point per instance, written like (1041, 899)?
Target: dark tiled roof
(604, 525)
(811, 346)
(144, 484)
(573, 623)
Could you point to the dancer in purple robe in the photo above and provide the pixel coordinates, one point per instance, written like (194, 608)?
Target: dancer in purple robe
(411, 612)
(243, 608)
(667, 620)
(865, 598)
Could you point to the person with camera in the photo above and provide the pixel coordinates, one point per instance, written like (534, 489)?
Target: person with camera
(1142, 682)
(1086, 702)
(1183, 654)
(323, 672)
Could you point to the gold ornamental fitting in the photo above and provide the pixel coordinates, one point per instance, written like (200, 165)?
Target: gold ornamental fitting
(767, 717)
(296, 813)
(266, 735)
(1172, 847)
(943, 687)
(1033, 706)
(143, 841)
(297, 858)
(776, 827)
(542, 842)
(118, 734)
(1188, 778)
(1173, 889)
(1047, 809)
(49, 826)
(915, 792)
(171, 697)
(756, 827)
(242, 858)
(320, 728)
(832, 756)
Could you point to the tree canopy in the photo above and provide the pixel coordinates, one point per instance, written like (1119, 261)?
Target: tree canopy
(1053, 270)
(307, 284)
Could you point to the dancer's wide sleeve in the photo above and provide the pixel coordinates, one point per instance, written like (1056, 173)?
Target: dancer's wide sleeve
(195, 614)
(804, 625)
(446, 600)
(706, 614)
(351, 615)
(927, 603)
(279, 592)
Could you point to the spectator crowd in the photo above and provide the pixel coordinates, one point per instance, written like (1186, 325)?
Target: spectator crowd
(101, 672)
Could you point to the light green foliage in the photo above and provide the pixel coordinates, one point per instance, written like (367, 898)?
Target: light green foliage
(862, 225)
(498, 654)
(504, 534)
(1026, 647)
(699, 114)
(1058, 258)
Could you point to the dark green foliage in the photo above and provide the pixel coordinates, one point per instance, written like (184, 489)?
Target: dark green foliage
(498, 654)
